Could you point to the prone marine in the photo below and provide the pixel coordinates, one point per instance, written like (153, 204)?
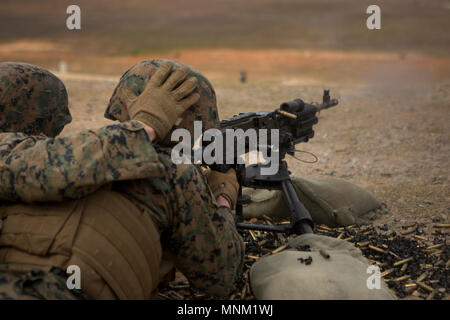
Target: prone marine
(110, 200)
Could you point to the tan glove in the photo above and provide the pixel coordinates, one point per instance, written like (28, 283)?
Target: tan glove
(160, 104)
(225, 185)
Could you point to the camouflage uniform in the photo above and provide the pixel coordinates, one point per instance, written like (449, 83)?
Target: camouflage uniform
(36, 284)
(209, 251)
(32, 99)
(132, 83)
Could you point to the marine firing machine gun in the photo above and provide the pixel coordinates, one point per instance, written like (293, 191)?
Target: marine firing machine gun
(294, 120)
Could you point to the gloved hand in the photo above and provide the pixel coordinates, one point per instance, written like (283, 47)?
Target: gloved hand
(225, 185)
(160, 104)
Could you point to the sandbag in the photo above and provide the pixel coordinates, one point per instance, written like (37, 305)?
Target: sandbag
(333, 202)
(292, 275)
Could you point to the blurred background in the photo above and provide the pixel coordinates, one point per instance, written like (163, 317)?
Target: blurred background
(285, 37)
(390, 132)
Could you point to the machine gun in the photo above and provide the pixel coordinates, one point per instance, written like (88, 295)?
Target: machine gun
(294, 120)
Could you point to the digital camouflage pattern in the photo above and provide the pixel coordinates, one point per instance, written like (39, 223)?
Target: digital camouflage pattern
(36, 285)
(133, 82)
(32, 100)
(209, 250)
(36, 168)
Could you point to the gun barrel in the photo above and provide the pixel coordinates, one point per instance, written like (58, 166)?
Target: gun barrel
(326, 105)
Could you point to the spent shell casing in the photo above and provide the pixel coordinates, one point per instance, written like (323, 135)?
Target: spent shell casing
(266, 217)
(287, 114)
(163, 296)
(420, 238)
(398, 263)
(385, 273)
(442, 225)
(431, 295)
(403, 278)
(404, 233)
(436, 253)
(435, 246)
(363, 244)
(393, 254)
(324, 254)
(403, 269)
(422, 276)
(322, 226)
(425, 286)
(409, 225)
(243, 292)
(279, 249)
(376, 248)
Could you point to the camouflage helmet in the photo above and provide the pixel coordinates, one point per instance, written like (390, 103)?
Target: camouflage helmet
(32, 100)
(133, 83)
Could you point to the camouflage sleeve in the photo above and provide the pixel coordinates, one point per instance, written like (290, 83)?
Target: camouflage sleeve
(209, 249)
(52, 169)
